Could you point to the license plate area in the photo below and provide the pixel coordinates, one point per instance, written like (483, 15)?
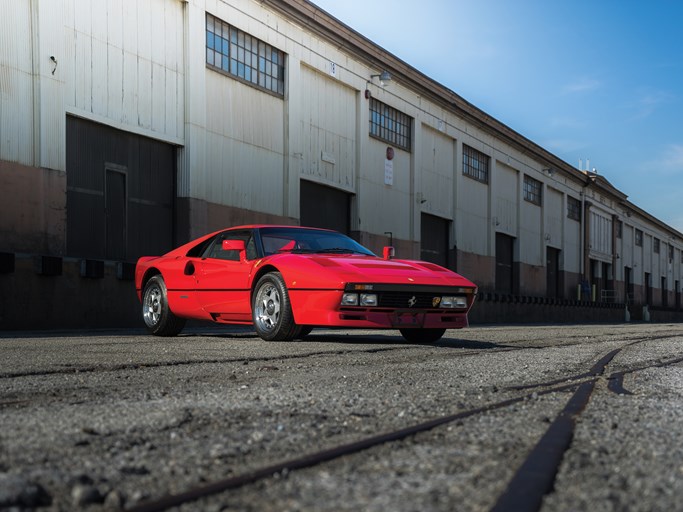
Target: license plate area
(408, 319)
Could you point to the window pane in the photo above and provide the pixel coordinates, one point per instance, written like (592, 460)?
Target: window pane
(244, 56)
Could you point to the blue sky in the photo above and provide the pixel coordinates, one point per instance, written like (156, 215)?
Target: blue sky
(598, 80)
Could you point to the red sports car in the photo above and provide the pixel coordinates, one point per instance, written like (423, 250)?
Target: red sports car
(286, 280)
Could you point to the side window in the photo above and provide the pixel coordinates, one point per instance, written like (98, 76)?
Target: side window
(215, 248)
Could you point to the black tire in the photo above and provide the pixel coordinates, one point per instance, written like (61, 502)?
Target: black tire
(271, 310)
(304, 330)
(422, 335)
(158, 317)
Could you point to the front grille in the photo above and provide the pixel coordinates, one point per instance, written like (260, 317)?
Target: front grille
(402, 300)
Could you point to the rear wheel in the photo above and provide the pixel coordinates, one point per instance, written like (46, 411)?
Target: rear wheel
(158, 317)
(272, 311)
(422, 335)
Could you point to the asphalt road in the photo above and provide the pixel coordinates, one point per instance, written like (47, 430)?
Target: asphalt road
(122, 420)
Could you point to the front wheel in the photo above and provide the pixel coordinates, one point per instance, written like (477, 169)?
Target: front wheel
(158, 317)
(272, 311)
(422, 335)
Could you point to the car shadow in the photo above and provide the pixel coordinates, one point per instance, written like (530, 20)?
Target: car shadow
(395, 341)
(342, 337)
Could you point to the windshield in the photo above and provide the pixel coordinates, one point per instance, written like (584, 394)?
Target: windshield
(311, 241)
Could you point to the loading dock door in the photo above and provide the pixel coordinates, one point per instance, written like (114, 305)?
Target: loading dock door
(553, 272)
(115, 214)
(325, 207)
(434, 243)
(504, 255)
(120, 192)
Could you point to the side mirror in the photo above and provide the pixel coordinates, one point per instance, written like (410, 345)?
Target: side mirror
(388, 253)
(234, 245)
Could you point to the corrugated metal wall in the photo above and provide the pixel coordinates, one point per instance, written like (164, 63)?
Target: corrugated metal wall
(102, 163)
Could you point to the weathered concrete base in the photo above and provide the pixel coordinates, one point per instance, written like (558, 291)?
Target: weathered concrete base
(492, 308)
(29, 300)
(32, 209)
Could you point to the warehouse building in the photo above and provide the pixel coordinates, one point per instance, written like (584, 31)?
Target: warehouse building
(127, 128)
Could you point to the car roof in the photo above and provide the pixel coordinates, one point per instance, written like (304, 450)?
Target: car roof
(277, 226)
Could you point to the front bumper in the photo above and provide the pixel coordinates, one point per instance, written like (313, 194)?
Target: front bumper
(322, 308)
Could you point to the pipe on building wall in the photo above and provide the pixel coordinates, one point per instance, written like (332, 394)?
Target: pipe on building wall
(35, 81)
(582, 239)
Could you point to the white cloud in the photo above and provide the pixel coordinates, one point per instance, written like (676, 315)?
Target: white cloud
(672, 158)
(648, 101)
(668, 163)
(567, 122)
(563, 145)
(583, 84)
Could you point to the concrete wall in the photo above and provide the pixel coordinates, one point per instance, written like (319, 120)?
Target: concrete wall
(32, 209)
(30, 300)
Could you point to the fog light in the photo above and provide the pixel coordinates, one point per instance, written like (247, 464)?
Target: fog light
(368, 299)
(349, 299)
(454, 302)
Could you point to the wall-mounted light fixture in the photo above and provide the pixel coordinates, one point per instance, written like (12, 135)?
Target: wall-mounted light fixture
(549, 171)
(384, 79)
(54, 61)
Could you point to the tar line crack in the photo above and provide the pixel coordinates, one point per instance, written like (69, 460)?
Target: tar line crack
(536, 476)
(166, 364)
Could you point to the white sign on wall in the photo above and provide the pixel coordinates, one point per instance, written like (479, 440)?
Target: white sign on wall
(388, 172)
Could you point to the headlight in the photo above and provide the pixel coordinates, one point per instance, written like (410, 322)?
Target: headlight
(349, 299)
(454, 302)
(368, 299)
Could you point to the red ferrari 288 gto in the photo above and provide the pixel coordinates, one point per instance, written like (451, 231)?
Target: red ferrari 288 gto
(287, 280)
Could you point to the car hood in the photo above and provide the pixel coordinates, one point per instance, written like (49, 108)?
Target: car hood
(324, 270)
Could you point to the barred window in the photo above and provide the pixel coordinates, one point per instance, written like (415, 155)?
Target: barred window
(671, 253)
(475, 164)
(389, 124)
(574, 208)
(639, 238)
(655, 246)
(620, 229)
(236, 53)
(532, 190)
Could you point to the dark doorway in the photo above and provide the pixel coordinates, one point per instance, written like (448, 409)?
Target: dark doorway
(504, 257)
(434, 244)
(648, 289)
(607, 294)
(115, 214)
(324, 207)
(628, 283)
(552, 262)
(120, 193)
(677, 288)
(665, 293)
(595, 280)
